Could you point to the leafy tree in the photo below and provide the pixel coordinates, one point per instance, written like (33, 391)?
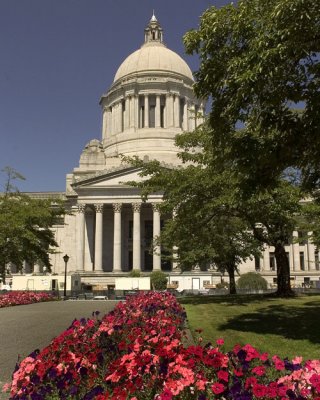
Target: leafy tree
(216, 220)
(274, 214)
(158, 280)
(25, 223)
(207, 227)
(259, 63)
(252, 281)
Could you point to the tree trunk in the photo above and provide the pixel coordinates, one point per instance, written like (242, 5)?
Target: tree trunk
(283, 272)
(232, 286)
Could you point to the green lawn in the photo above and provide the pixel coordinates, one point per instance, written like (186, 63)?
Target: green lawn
(287, 327)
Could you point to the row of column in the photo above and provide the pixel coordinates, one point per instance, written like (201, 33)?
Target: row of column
(308, 250)
(117, 239)
(125, 114)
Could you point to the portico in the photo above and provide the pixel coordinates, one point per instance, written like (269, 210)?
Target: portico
(127, 226)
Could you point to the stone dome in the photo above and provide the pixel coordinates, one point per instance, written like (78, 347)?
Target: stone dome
(155, 57)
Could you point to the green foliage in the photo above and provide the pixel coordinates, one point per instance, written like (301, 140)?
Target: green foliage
(252, 281)
(259, 62)
(158, 280)
(25, 223)
(135, 273)
(222, 285)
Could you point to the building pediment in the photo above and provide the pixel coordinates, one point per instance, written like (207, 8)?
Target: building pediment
(111, 179)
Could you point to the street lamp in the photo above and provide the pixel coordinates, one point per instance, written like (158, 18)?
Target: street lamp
(65, 259)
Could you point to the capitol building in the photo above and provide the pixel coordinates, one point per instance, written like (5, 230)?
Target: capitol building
(109, 230)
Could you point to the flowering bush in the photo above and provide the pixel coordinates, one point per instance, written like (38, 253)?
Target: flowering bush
(17, 298)
(137, 352)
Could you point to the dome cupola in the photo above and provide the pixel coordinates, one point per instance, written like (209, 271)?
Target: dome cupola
(150, 101)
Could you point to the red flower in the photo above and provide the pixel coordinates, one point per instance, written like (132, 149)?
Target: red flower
(223, 375)
(166, 395)
(259, 390)
(260, 370)
(217, 388)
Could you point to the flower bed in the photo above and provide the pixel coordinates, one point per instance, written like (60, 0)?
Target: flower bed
(136, 352)
(17, 298)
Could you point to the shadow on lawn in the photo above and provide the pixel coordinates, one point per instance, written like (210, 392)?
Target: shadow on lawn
(291, 322)
(228, 300)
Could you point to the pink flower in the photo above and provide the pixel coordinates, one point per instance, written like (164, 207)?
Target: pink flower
(220, 342)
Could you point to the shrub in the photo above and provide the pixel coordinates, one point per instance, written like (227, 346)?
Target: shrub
(158, 280)
(135, 273)
(222, 285)
(252, 281)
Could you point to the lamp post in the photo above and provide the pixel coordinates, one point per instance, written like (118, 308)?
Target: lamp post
(65, 259)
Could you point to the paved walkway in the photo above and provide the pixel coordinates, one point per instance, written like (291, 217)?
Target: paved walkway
(26, 328)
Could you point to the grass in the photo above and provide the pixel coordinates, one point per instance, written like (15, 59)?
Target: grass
(287, 327)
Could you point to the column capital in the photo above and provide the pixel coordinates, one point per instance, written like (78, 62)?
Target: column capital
(81, 208)
(117, 207)
(98, 208)
(155, 207)
(136, 207)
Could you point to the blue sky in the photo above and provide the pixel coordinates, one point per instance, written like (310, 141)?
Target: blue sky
(57, 57)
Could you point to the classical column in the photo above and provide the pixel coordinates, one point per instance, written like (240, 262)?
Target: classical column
(311, 261)
(98, 238)
(136, 236)
(127, 114)
(200, 117)
(156, 233)
(296, 252)
(146, 111)
(266, 259)
(175, 264)
(136, 112)
(117, 237)
(192, 118)
(176, 111)
(120, 117)
(104, 123)
(169, 109)
(80, 239)
(157, 111)
(36, 268)
(185, 115)
(113, 119)
(109, 122)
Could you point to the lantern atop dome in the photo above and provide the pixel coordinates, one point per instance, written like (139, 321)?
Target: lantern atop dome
(153, 32)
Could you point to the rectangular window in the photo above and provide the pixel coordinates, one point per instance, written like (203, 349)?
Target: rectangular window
(302, 265)
(257, 263)
(162, 116)
(272, 259)
(141, 117)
